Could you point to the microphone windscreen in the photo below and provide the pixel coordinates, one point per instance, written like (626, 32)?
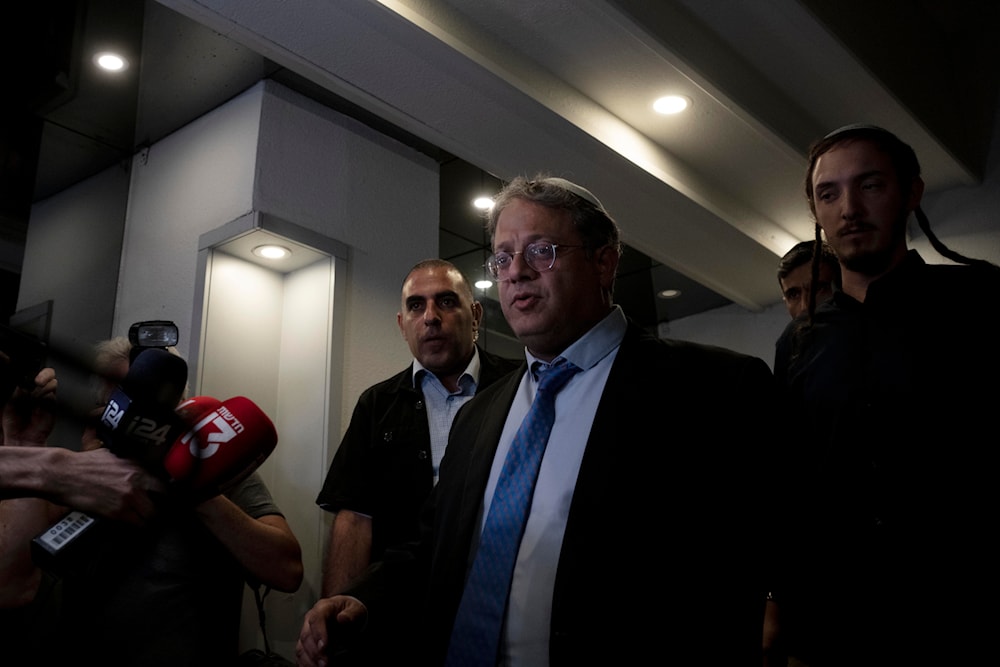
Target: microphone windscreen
(194, 408)
(225, 443)
(156, 377)
(139, 421)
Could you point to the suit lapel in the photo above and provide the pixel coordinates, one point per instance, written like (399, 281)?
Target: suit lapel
(485, 444)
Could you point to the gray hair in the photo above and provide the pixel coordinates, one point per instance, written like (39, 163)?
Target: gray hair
(592, 222)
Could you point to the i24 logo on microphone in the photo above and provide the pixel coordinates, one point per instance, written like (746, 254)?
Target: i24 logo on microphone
(114, 411)
(211, 432)
(149, 430)
(118, 404)
(145, 429)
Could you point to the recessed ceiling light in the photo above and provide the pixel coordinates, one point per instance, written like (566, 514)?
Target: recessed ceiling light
(111, 62)
(671, 104)
(484, 284)
(669, 294)
(272, 251)
(483, 203)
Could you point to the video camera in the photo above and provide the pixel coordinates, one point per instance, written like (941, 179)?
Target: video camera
(151, 333)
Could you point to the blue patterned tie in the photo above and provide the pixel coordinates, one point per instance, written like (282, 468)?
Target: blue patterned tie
(475, 638)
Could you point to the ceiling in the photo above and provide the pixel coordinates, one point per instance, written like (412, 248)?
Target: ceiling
(707, 200)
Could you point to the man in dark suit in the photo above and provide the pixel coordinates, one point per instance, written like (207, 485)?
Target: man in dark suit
(643, 538)
(388, 460)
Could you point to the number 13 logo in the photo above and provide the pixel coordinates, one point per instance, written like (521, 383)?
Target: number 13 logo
(206, 444)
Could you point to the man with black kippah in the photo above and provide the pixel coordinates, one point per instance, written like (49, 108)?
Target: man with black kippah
(891, 485)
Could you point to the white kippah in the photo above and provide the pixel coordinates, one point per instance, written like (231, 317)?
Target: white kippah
(856, 126)
(581, 192)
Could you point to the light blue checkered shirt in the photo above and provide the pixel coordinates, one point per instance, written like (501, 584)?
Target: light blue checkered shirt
(442, 405)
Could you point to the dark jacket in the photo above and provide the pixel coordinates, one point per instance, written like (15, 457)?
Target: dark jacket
(383, 467)
(661, 558)
(892, 484)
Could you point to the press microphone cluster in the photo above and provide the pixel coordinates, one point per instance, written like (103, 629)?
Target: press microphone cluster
(140, 420)
(201, 447)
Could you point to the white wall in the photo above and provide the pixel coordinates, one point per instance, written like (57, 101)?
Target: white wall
(334, 175)
(190, 182)
(306, 430)
(268, 336)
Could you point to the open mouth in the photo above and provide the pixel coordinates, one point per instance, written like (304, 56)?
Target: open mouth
(523, 300)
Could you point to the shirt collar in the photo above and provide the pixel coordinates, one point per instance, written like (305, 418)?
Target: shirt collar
(587, 350)
(470, 374)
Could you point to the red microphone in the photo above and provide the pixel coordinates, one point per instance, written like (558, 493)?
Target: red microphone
(227, 440)
(193, 409)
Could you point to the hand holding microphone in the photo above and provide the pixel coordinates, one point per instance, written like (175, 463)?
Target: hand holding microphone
(201, 447)
(223, 443)
(138, 423)
(28, 416)
(202, 444)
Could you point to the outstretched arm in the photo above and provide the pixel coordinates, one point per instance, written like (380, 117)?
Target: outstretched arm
(37, 483)
(96, 482)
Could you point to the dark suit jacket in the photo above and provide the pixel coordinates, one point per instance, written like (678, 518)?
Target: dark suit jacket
(662, 555)
(383, 467)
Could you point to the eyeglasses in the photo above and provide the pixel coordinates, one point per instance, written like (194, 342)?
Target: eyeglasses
(540, 256)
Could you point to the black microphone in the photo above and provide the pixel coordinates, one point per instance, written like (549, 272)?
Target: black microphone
(139, 423)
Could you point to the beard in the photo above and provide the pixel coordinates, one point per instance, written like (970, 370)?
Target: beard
(873, 261)
(870, 262)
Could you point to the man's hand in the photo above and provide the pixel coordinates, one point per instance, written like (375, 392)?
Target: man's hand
(28, 418)
(90, 439)
(314, 646)
(98, 482)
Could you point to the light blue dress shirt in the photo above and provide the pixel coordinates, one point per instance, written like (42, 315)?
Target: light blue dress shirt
(442, 405)
(526, 630)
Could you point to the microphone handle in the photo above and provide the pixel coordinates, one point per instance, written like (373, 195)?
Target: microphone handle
(53, 550)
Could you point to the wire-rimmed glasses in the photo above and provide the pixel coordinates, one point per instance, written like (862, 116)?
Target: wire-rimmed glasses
(539, 255)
